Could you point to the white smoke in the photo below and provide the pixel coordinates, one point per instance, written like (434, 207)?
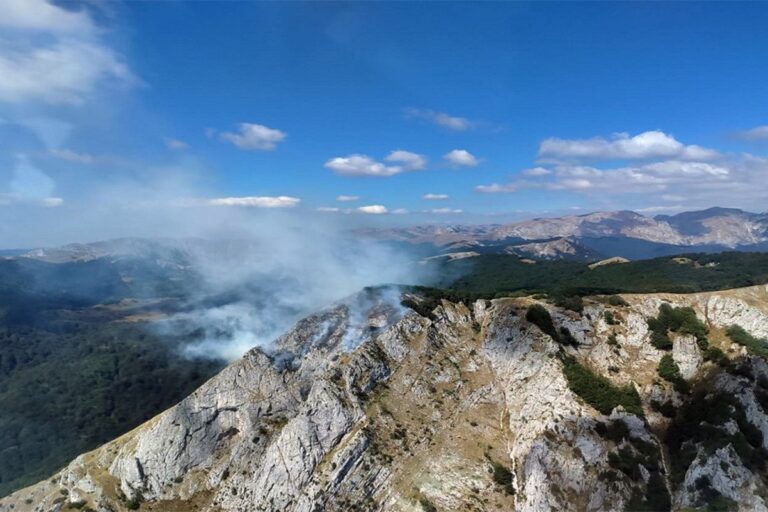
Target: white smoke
(254, 288)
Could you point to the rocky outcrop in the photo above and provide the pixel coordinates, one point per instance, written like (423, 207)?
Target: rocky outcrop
(370, 406)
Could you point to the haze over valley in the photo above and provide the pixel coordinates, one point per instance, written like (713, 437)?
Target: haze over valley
(383, 256)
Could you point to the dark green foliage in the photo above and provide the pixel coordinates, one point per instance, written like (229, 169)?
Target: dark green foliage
(540, 317)
(699, 423)
(503, 477)
(615, 431)
(573, 302)
(598, 391)
(668, 370)
(427, 505)
(711, 497)
(656, 498)
(612, 340)
(566, 338)
(135, 502)
(716, 355)
(67, 386)
(667, 409)
(609, 317)
(505, 274)
(681, 320)
(755, 346)
(627, 461)
(616, 300)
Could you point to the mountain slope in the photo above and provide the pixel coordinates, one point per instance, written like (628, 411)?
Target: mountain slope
(617, 233)
(370, 406)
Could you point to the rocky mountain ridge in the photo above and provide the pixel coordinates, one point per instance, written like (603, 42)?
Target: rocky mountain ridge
(585, 237)
(468, 406)
(712, 229)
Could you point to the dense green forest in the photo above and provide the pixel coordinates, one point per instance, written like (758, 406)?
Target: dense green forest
(71, 381)
(499, 275)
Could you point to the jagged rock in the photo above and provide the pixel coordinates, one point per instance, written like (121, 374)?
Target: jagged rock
(371, 406)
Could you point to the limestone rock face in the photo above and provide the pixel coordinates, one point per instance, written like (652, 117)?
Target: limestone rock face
(368, 405)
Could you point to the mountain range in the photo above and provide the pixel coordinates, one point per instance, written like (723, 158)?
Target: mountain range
(597, 235)
(588, 237)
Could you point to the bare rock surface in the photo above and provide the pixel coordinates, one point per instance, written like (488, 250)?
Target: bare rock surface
(368, 405)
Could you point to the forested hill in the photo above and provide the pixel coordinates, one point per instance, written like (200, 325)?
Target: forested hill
(501, 275)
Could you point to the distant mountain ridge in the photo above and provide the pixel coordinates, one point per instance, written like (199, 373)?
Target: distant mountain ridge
(588, 237)
(607, 234)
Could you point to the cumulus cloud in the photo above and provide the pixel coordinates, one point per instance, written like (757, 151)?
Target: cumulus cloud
(460, 158)
(644, 146)
(536, 171)
(252, 136)
(442, 211)
(410, 161)
(454, 123)
(496, 188)
(55, 55)
(328, 209)
(257, 201)
(363, 165)
(738, 179)
(52, 202)
(175, 144)
(375, 209)
(435, 197)
(73, 156)
(43, 16)
(661, 209)
(344, 198)
(756, 133)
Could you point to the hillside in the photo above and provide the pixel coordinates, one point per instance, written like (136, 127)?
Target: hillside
(501, 275)
(470, 406)
(598, 235)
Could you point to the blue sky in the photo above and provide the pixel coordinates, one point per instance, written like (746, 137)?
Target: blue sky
(508, 109)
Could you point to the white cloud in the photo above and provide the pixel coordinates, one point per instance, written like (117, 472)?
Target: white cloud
(257, 201)
(361, 165)
(496, 188)
(410, 161)
(659, 209)
(536, 171)
(668, 179)
(175, 144)
(442, 211)
(644, 146)
(42, 16)
(399, 211)
(52, 202)
(461, 158)
(328, 209)
(756, 133)
(450, 122)
(252, 136)
(343, 198)
(73, 156)
(375, 209)
(54, 55)
(435, 197)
